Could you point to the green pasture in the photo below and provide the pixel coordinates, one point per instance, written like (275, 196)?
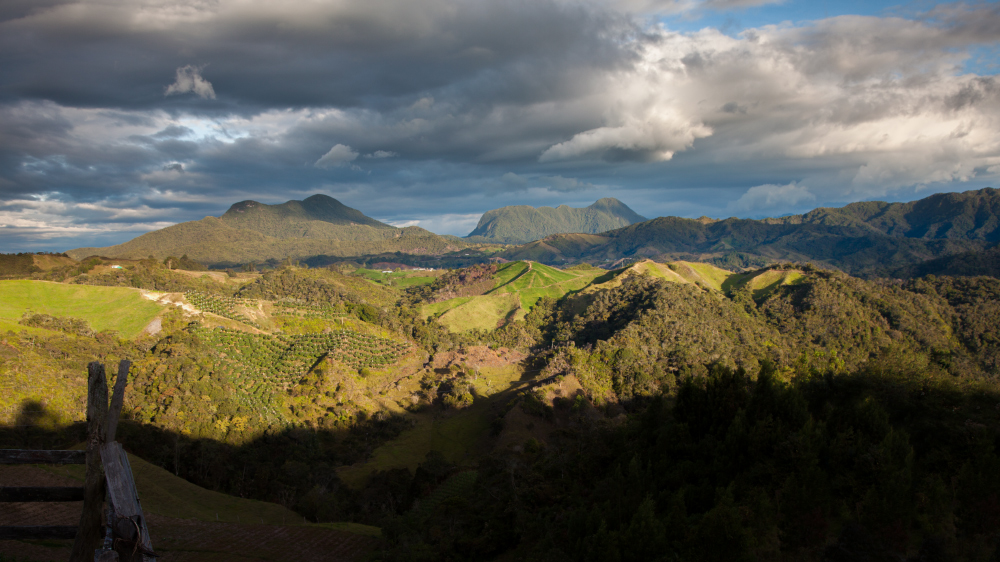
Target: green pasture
(712, 276)
(532, 281)
(104, 308)
(517, 287)
(480, 313)
(438, 308)
(764, 284)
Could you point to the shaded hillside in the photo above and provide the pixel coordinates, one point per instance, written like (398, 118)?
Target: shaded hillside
(797, 414)
(986, 262)
(862, 238)
(521, 223)
(255, 232)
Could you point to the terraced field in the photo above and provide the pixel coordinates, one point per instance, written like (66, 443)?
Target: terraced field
(306, 310)
(277, 361)
(227, 307)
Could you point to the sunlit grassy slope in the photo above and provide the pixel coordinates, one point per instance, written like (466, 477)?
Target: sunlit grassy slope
(481, 313)
(533, 281)
(517, 286)
(524, 282)
(104, 308)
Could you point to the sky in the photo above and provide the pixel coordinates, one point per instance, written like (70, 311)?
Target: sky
(118, 117)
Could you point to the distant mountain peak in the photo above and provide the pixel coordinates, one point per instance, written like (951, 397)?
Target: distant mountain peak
(260, 216)
(522, 223)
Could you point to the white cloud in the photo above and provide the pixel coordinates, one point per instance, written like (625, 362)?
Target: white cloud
(773, 198)
(339, 155)
(381, 154)
(189, 80)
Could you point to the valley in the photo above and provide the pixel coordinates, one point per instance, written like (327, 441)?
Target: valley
(525, 406)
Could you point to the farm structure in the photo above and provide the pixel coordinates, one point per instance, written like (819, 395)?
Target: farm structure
(108, 476)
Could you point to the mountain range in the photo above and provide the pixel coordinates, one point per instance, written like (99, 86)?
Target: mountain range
(935, 234)
(868, 238)
(519, 224)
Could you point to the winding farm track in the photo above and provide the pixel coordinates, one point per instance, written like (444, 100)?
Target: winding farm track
(180, 540)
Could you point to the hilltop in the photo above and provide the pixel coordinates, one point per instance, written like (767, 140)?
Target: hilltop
(255, 232)
(522, 223)
(871, 238)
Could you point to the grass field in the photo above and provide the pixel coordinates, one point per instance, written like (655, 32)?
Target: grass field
(517, 286)
(532, 281)
(480, 313)
(104, 308)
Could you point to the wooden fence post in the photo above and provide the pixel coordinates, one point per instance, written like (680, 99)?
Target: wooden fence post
(117, 400)
(89, 535)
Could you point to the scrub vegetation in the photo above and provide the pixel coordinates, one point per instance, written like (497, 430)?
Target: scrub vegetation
(661, 410)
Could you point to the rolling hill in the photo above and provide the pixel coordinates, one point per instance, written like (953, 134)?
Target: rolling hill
(521, 223)
(868, 238)
(518, 286)
(255, 232)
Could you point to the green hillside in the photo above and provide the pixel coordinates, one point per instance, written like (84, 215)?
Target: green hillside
(522, 223)
(516, 287)
(103, 308)
(256, 232)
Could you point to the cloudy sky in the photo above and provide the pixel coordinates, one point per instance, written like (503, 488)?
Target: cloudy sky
(122, 116)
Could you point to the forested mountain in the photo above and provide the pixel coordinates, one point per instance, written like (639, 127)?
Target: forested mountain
(521, 223)
(282, 221)
(255, 232)
(871, 238)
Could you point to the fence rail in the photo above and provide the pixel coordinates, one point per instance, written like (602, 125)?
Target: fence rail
(20, 456)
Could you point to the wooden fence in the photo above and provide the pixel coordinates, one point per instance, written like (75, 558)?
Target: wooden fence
(123, 525)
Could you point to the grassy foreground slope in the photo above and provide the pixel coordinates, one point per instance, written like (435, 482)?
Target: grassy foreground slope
(104, 308)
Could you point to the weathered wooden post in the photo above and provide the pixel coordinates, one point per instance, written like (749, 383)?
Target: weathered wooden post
(108, 554)
(88, 536)
(108, 473)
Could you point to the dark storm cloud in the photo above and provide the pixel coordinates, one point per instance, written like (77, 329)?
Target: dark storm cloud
(257, 55)
(119, 117)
